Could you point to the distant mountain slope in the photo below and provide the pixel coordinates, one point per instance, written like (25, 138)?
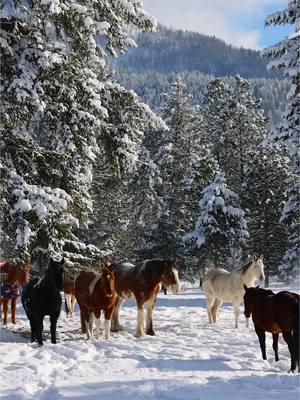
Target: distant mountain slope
(175, 50)
(151, 85)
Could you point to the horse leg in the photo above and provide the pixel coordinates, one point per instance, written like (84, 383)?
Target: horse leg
(108, 315)
(262, 340)
(236, 307)
(287, 336)
(32, 328)
(97, 322)
(39, 329)
(91, 323)
(275, 345)
(214, 309)
(73, 302)
(53, 322)
(5, 311)
(149, 323)
(209, 303)
(140, 321)
(68, 304)
(116, 326)
(13, 310)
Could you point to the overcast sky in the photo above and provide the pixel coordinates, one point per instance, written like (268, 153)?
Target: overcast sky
(238, 22)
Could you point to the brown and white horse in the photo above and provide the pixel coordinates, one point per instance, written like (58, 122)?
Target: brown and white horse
(11, 275)
(141, 282)
(95, 292)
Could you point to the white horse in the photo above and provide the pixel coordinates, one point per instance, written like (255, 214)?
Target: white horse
(220, 285)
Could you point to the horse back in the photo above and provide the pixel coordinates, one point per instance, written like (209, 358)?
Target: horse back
(219, 283)
(124, 278)
(89, 291)
(285, 309)
(40, 299)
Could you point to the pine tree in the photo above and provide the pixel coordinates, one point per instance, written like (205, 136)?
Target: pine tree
(234, 125)
(264, 194)
(57, 104)
(221, 230)
(285, 57)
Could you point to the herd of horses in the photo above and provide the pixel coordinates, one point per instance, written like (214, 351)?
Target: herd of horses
(106, 290)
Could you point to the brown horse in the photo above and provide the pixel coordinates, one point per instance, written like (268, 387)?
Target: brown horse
(275, 313)
(11, 275)
(142, 283)
(95, 292)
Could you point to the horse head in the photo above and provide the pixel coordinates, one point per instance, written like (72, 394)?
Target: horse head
(108, 279)
(170, 275)
(258, 266)
(249, 300)
(56, 270)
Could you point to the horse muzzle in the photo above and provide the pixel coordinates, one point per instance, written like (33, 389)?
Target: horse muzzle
(175, 289)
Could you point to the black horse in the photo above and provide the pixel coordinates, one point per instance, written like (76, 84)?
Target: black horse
(42, 297)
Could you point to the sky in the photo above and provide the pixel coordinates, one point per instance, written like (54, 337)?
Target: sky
(237, 22)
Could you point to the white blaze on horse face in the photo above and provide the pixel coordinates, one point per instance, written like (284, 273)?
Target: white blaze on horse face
(176, 287)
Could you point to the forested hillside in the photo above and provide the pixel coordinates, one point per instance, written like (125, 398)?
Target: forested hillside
(88, 169)
(150, 86)
(171, 50)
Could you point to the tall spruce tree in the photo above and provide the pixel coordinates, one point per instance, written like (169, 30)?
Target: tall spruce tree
(234, 124)
(285, 57)
(264, 195)
(221, 230)
(57, 106)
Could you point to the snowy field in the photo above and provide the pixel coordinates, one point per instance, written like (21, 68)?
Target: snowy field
(187, 360)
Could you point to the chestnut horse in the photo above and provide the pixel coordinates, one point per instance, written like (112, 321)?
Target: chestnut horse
(141, 282)
(11, 275)
(95, 292)
(275, 313)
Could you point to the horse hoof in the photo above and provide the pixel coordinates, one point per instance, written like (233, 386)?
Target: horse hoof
(138, 334)
(151, 333)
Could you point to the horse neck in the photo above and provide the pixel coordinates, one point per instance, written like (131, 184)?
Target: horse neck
(48, 281)
(249, 277)
(154, 274)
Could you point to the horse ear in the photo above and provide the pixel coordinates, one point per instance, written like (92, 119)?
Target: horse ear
(245, 287)
(261, 257)
(255, 257)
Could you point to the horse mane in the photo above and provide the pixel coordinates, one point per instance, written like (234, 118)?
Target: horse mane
(245, 267)
(150, 268)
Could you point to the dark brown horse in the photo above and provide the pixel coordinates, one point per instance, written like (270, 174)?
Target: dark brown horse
(95, 292)
(11, 275)
(141, 282)
(275, 313)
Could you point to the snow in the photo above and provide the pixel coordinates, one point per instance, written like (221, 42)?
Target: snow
(187, 360)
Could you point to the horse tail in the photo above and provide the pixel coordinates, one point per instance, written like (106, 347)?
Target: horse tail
(296, 337)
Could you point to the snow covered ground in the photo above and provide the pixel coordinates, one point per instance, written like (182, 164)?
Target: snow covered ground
(187, 360)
